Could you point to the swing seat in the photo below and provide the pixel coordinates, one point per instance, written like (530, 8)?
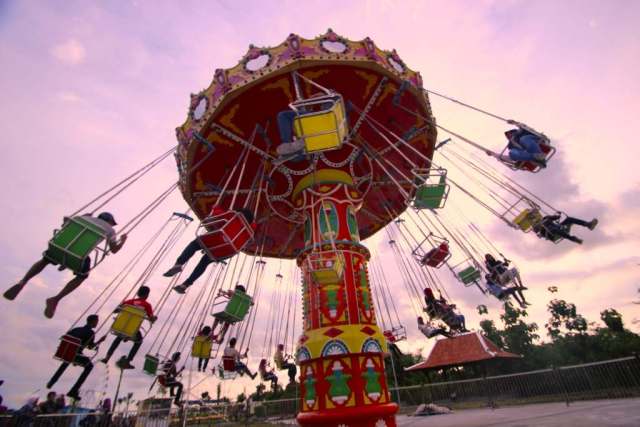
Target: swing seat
(128, 321)
(430, 195)
(527, 219)
(546, 149)
(228, 368)
(436, 257)
(76, 242)
(321, 123)
(236, 308)
(68, 348)
(469, 275)
(395, 334)
(326, 268)
(224, 235)
(201, 347)
(150, 366)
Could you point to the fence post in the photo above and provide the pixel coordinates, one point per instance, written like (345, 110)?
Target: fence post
(558, 375)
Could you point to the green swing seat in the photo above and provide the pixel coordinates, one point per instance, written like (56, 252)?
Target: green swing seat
(151, 364)
(432, 196)
(469, 275)
(75, 242)
(236, 309)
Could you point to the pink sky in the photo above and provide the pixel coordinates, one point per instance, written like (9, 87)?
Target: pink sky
(93, 90)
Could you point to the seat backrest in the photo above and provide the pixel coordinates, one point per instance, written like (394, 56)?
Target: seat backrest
(238, 306)
(429, 196)
(324, 129)
(469, 275)
(68, 348)
(128, 321)
(228, 363)
(201, 347)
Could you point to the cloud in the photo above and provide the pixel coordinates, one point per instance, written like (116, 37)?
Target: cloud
(71, 52)
(68, 96)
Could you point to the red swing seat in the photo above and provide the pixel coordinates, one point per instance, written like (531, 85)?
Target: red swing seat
(436, 256)
(224, 233)
(68, 348)
(546, 149)
(229, 363)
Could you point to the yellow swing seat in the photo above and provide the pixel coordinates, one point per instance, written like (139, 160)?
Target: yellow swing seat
(321, 122)
(326, 268)
(128, 321)
(527, 219)
(201, 347)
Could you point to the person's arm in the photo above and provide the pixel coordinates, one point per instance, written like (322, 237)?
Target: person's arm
(115, 246)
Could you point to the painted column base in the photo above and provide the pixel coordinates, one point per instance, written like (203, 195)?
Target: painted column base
(369, 416)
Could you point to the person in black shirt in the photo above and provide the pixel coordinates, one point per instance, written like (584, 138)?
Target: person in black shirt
(86, 336)
(551, 228)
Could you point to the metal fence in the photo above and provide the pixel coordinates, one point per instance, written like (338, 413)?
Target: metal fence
(618, 378)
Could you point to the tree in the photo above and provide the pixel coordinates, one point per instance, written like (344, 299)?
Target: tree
(564, 315)
(518, 335)
(612, 319)
(491, 332)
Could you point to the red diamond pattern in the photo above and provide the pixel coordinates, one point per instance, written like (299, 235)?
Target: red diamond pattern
(303, 339)
(368, 330)
(333, 332)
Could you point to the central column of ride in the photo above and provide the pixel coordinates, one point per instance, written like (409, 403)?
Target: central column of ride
(341, 351)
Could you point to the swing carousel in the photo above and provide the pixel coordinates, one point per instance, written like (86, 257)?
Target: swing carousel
(301, 152)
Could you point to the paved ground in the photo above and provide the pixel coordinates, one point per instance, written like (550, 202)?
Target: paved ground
(599, 413)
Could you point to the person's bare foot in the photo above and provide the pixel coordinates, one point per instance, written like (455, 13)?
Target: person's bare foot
(13, 291)
(50, 309)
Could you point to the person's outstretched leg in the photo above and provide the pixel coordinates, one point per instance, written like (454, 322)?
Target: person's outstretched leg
(56, 376)
(35, 269)
(88, 367)
(52, 303)
(205, 364)
(137, 342)
(183, 258)
(112, 348)
(569, 221)
(178, 386)
(195, 274)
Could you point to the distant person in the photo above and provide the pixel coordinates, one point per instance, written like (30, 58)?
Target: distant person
(551, 228)
(51, 405)
(86, 336)
(169, 377)
(282, 362)
(240, 367)
(203, 362)
(431, 331)
(267, 375)
(205, 260)
(502, 292)
(141, 302)
(525, 146)
(218, 337)
(104, 221)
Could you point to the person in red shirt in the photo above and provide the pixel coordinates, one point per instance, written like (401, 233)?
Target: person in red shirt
(140, 301)
(194, 247)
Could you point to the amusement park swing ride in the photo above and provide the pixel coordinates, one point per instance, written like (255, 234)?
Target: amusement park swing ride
(302, 152)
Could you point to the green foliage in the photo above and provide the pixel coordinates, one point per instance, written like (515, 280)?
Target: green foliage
(572, 339)
(612, 319)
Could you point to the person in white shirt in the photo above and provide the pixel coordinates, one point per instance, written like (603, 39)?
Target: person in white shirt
(105, 221)
(431, 331)
(240, 367)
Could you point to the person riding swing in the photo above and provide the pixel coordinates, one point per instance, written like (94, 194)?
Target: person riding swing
(100, 227)
(207, 257)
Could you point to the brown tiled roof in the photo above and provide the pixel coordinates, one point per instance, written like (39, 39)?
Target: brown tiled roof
(460, 350)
